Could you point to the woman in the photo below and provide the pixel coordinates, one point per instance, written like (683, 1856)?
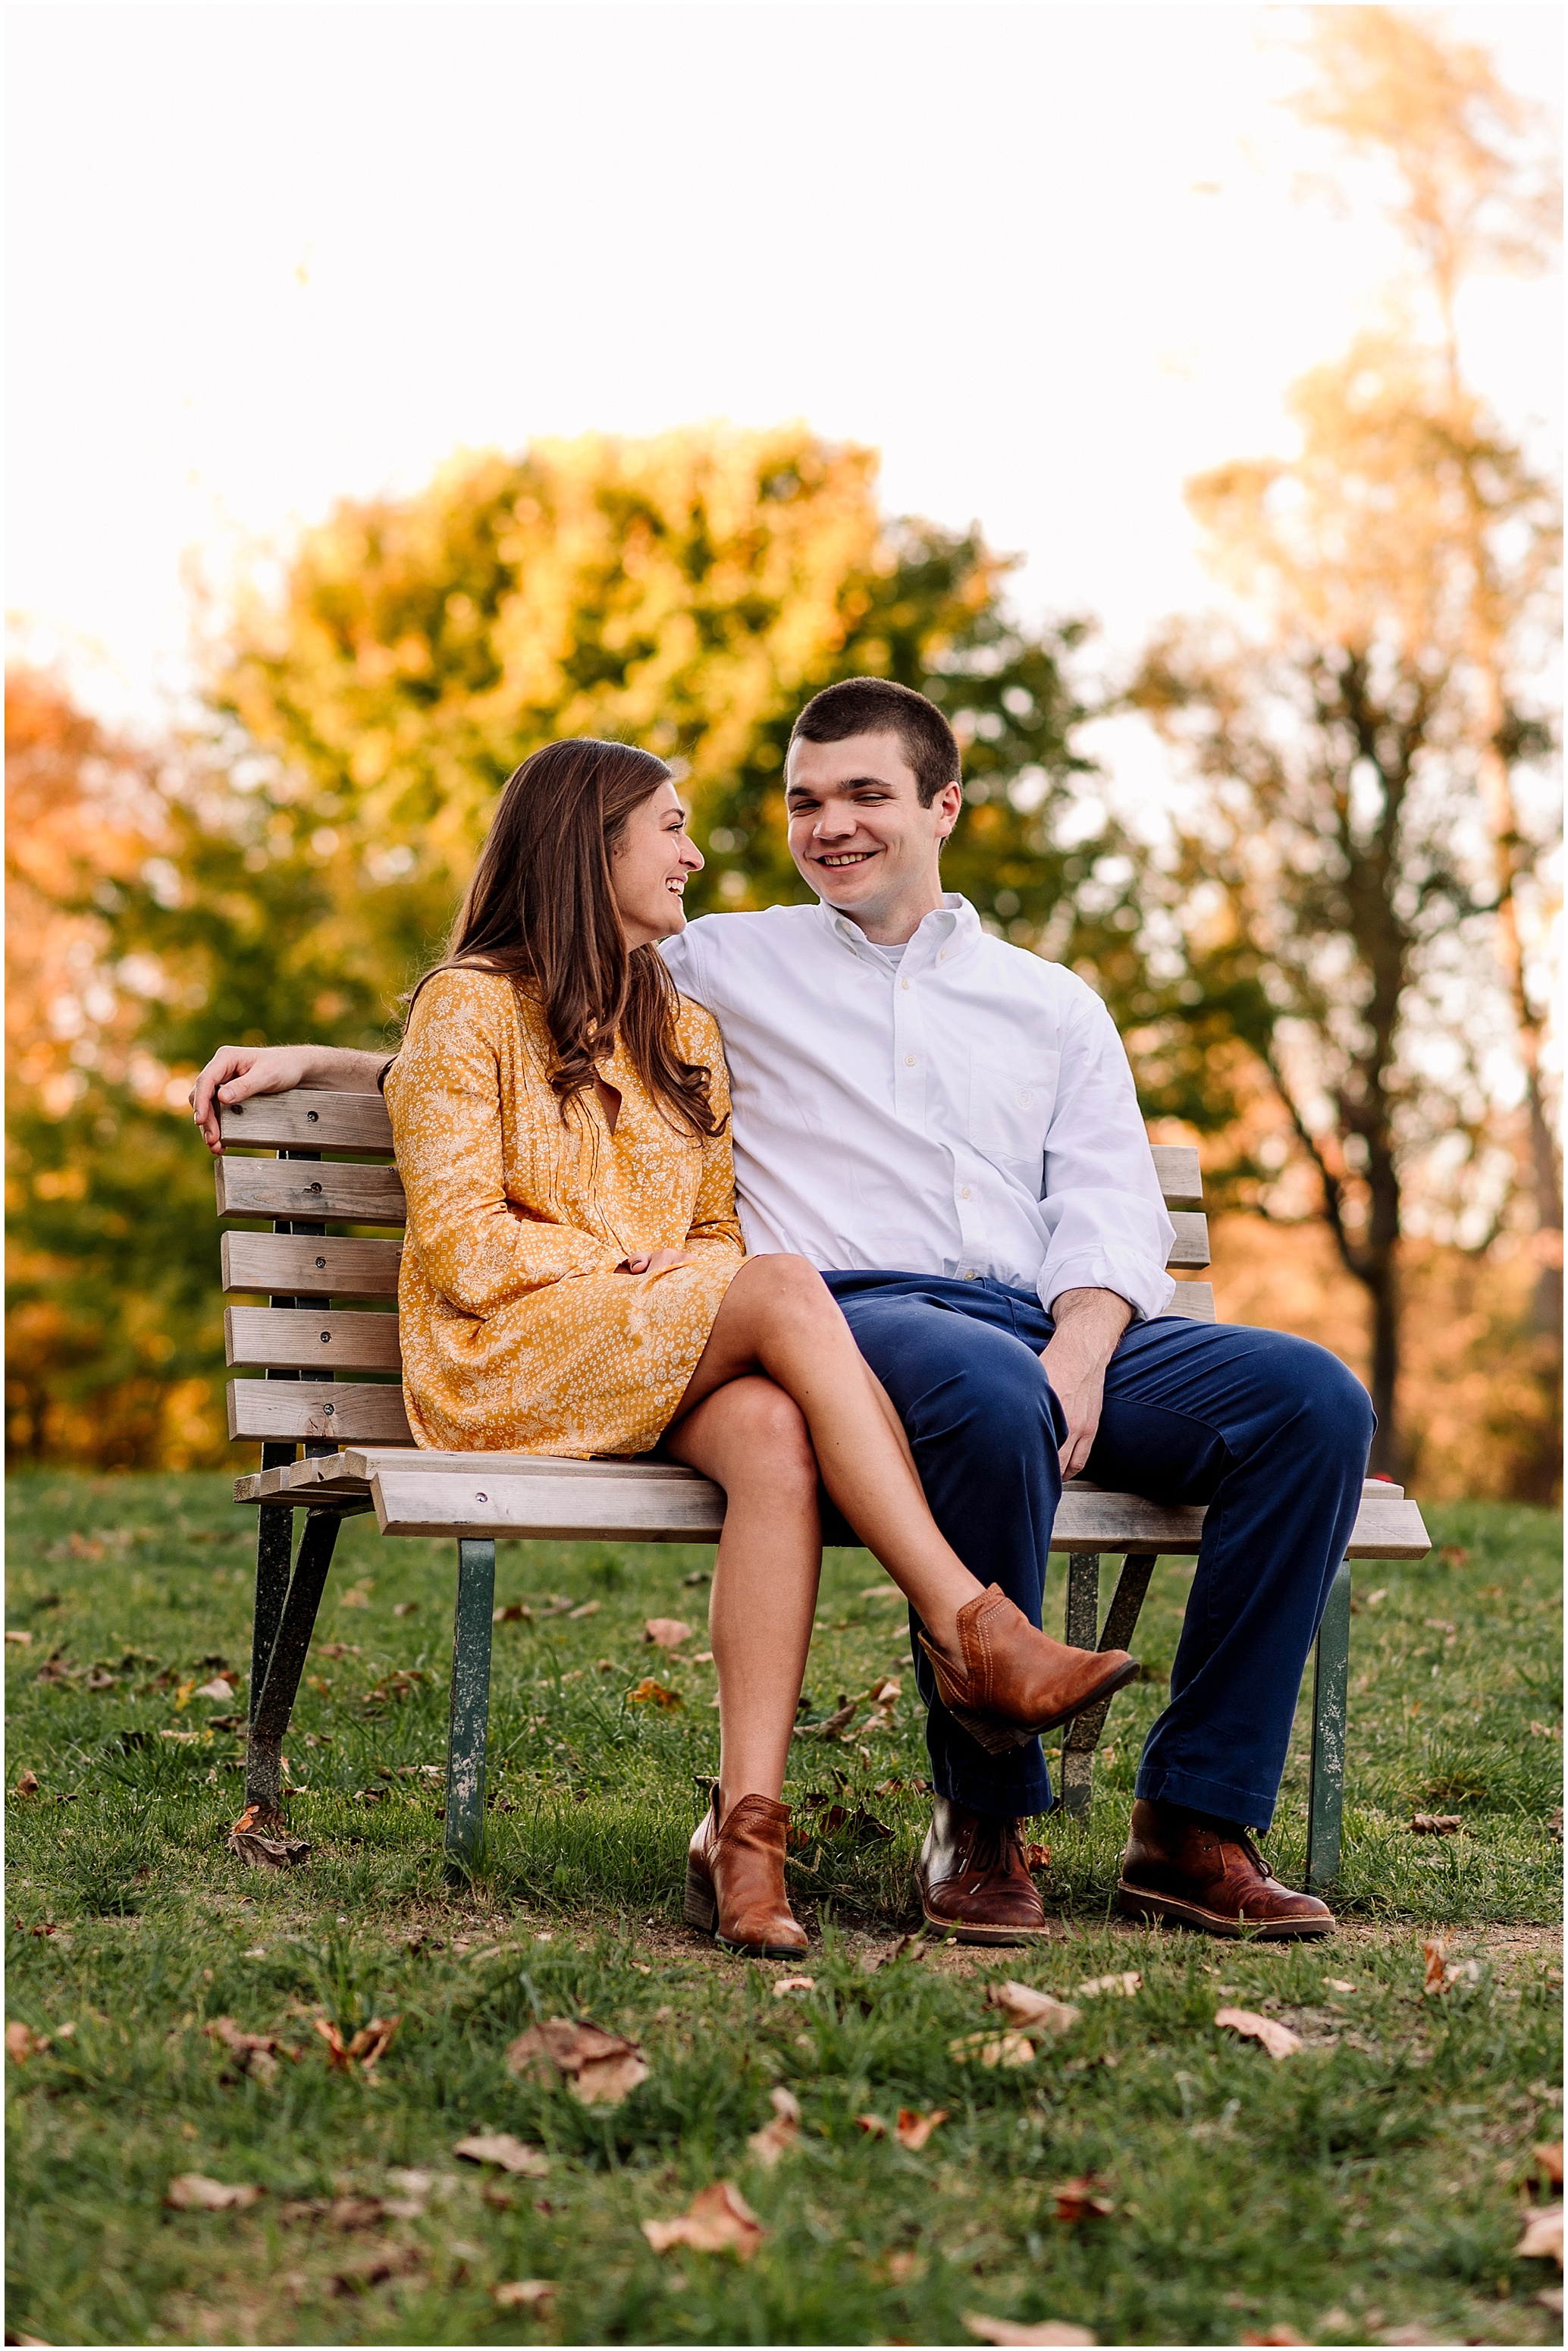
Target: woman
(574, 1282)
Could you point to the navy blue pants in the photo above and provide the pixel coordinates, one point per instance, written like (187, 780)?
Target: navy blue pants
(1271, 1432)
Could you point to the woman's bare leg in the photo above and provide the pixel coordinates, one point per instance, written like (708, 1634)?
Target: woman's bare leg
(778, 1317)
(751, 1440)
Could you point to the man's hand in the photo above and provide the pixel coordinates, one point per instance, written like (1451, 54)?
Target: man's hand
(235, 1072)
(1089, 1327)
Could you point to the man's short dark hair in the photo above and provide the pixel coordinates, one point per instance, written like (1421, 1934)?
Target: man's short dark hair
(876, 705)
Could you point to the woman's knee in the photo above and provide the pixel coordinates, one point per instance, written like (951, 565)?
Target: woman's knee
(766, 1438)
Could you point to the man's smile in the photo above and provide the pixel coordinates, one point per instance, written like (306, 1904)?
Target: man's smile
(836, 857)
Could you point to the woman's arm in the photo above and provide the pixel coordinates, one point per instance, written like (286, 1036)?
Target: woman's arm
(444, 1097)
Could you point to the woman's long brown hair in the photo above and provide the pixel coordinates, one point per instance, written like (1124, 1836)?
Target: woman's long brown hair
(541, 908)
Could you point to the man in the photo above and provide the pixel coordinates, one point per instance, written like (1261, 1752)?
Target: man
(946, 1126)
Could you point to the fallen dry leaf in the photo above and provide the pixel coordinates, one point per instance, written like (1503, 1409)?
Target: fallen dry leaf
(22, 1640)
(1082, 2199)
(1550, 2159)
(514, 1612)
(588, 1608)
(888, 1689)
(217, 1688)
(992, 2049)
(1543, 2238)
(1021, 2005)
(1443, 1974)
(718, 2219)
(598, 2068)
(405, 1607)
(1037, 1856)
(27, 1786)
(257, 2053)
(1435, 1823)
(367, 2047)
(777, 2137)
(1338, 1983)
(1123, 1985)
(502, 2150)
(525, 2294)
(258, 1847)
(1005, 2330)
(1281, 2334)
(666, 1631)
(781, 1984)
(1277, 2039)
(872, 2126)
(22, 2041)
(904, 2267)
(374, 2267)
(649, 1692)
(192, 2193)
(353, 1600)
(912, 2129)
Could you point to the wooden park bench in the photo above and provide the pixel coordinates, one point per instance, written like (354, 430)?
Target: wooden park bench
(335, 1443)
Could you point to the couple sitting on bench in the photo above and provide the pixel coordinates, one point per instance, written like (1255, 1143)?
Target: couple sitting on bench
(943, 1292)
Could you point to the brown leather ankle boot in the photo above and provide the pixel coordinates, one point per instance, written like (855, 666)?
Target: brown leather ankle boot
(735, 1880)
(1010, 1680)
(974, 1878)
(1191, 1871)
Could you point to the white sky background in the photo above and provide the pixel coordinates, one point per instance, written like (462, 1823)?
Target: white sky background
(1046, 258)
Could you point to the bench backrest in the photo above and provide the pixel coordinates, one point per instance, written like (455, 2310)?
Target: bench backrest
(329, 1164)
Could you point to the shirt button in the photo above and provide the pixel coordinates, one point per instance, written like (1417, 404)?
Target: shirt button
(965, 1193)
(909, 1061)
(903, 983)
(970, 1276)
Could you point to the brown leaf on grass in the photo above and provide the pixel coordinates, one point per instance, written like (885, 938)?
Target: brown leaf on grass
(1278, 2334)
(257, 2052)
(1123, 1986)
(588, 1608)
(887, 1690)
(1543, 2238)
(525, 2294)
(22, 2041)
(27, 1786)
(217, 1688)
(666, 1631)
(1435, 1823)
(872, 2126)
(1277, 2039)
(21, 1640)
(1037, 1856)
(598, 2068)
(717, 2220)
(508, 2154)
(912, 2129)
(648, 1692)
(366, 2270)
(1550, 2159)
(834, 1725)
(1453, 1555)
(365, 2049)
(1443, 1974)
(191, 2192)
(1082, 2199)
(1006, 2330)
(904, 2267)
(992, 2049)
(782, 1984)
(260, 1848)
(514, 1612)
(1020, 2004)
(777, 2137)
(405, 1607)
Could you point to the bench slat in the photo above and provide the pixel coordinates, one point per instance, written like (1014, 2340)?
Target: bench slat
(574, 1509)
(1195, 1300)
(1190, 1248)
(261, 1337)
(1181, 1179)
(307, 1121)
(308, 1188)
(270, 1409)
(288, 1265)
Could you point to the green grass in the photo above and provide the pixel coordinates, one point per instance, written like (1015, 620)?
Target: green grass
(1369, 2183)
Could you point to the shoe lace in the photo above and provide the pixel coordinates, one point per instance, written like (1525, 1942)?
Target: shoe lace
(991, 1841)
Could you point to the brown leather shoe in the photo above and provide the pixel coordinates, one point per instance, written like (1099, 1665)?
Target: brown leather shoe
(974, 1879)
(1184, 1869)
(1014, 1681)
(735, 1880)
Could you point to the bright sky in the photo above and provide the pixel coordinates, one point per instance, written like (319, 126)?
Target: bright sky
(1046, 258)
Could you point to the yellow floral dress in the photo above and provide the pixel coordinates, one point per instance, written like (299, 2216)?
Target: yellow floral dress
(519, 1336)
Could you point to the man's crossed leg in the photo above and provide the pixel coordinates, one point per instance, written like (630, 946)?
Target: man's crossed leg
(1269, 1431)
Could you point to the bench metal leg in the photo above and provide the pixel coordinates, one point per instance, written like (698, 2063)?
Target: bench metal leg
(1330, 1684)
(470, 1706)
(273, 1691)
(1084, 1730)
(1080, 1632)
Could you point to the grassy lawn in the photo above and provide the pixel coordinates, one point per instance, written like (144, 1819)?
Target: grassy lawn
(1369, 2186)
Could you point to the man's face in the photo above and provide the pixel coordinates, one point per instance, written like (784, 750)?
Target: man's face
(860, 836)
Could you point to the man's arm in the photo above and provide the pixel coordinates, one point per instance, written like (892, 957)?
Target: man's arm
(235, 1072)
(1089, 1327)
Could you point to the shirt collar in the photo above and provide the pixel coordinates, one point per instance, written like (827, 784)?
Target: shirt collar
(946, 933)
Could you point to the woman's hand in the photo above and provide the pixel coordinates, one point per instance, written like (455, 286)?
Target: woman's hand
(655, 1260)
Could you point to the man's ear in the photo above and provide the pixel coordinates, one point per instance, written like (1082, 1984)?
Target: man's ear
(947, 803)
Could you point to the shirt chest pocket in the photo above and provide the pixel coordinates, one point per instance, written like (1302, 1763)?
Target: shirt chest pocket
(1010, 1103)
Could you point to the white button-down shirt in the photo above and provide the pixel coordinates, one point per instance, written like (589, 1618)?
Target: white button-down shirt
(962, 1108)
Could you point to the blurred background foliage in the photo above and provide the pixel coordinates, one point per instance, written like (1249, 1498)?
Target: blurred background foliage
(1328, 948)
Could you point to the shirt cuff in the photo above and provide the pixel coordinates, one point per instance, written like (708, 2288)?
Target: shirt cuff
(1148, 1289)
